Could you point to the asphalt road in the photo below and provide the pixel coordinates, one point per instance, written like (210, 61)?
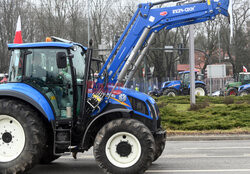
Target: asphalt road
(179, 157)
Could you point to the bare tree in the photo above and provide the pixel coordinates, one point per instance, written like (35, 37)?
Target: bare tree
(9, 11)
(238, 51)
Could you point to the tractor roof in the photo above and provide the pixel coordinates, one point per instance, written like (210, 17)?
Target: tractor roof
(244, 73)
(44, 44)
(186, 72)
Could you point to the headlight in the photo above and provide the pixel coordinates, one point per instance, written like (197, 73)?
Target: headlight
(157, 110)
(152, 110)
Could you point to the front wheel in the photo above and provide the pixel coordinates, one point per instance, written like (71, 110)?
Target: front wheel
(21, 137)
(160, 142)
(124, 146)
(243, 93)
(170, 92)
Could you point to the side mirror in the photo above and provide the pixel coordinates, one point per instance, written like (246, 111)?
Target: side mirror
(61, 60)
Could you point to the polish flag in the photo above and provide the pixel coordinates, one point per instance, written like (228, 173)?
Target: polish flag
(18, 37)
(244, 69)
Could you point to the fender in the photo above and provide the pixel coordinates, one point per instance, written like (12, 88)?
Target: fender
(200, 82)
(121, 110)
(244, 87)
(28, 94)
(197, 82)
(173, 85)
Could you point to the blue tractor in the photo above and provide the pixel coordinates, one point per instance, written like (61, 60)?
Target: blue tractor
(244, 90)
(182, 86)
(47, 108)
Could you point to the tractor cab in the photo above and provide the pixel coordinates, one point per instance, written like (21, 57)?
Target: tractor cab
(184, 77)
(55, 69)
(244, 77)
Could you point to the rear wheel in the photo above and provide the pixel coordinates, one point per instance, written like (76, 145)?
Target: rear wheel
(232, 91)
(124, 146)
(21, 137)
(48, 154)
(200, 90)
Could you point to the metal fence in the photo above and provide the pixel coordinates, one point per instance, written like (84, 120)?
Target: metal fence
(213, 85)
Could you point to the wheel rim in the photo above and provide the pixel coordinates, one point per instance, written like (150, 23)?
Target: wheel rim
(123, 149)
(12, 138)
(243, 94)
(199, 91)
(171, 94)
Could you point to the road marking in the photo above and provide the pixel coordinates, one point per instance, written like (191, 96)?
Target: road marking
(202, 156)
(214, 148)
(197, 171)
(78, 157)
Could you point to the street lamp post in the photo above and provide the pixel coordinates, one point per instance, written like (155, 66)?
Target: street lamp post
(192, 63)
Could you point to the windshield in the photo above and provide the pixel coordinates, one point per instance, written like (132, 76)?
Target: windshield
(184, 77)
(244, 78)
(16, 66)
(41, 63)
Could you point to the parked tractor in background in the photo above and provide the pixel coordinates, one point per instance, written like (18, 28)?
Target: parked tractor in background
(182, 85)
(232, 88)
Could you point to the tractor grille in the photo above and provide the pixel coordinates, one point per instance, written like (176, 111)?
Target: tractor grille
(138, 105)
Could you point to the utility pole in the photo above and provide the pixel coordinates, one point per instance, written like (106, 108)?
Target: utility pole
(192, 65)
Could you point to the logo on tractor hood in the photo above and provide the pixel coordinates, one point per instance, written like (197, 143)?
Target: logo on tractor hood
(164, 13)
(181, 10)
(122, 97)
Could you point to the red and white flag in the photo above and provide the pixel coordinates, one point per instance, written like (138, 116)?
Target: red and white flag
(244, 69)
(18, 37)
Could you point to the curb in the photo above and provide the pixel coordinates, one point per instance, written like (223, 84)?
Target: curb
(208, 137)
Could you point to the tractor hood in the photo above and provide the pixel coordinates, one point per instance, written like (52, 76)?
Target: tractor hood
(136, 94)
(138, 102)
(243, 87)
(171, 84)
(234, 84)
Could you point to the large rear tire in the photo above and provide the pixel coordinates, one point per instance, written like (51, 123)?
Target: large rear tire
(232, 91)
(22, 137)
(48, 155)
(124, 146)
(200, 90)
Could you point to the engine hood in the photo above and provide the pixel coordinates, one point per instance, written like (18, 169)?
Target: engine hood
(139, 95)
(171, 84)
(244, 87)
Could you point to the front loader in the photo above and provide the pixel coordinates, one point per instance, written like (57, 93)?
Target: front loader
(48, 109)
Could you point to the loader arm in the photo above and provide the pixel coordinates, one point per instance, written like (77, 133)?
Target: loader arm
(148, 20)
